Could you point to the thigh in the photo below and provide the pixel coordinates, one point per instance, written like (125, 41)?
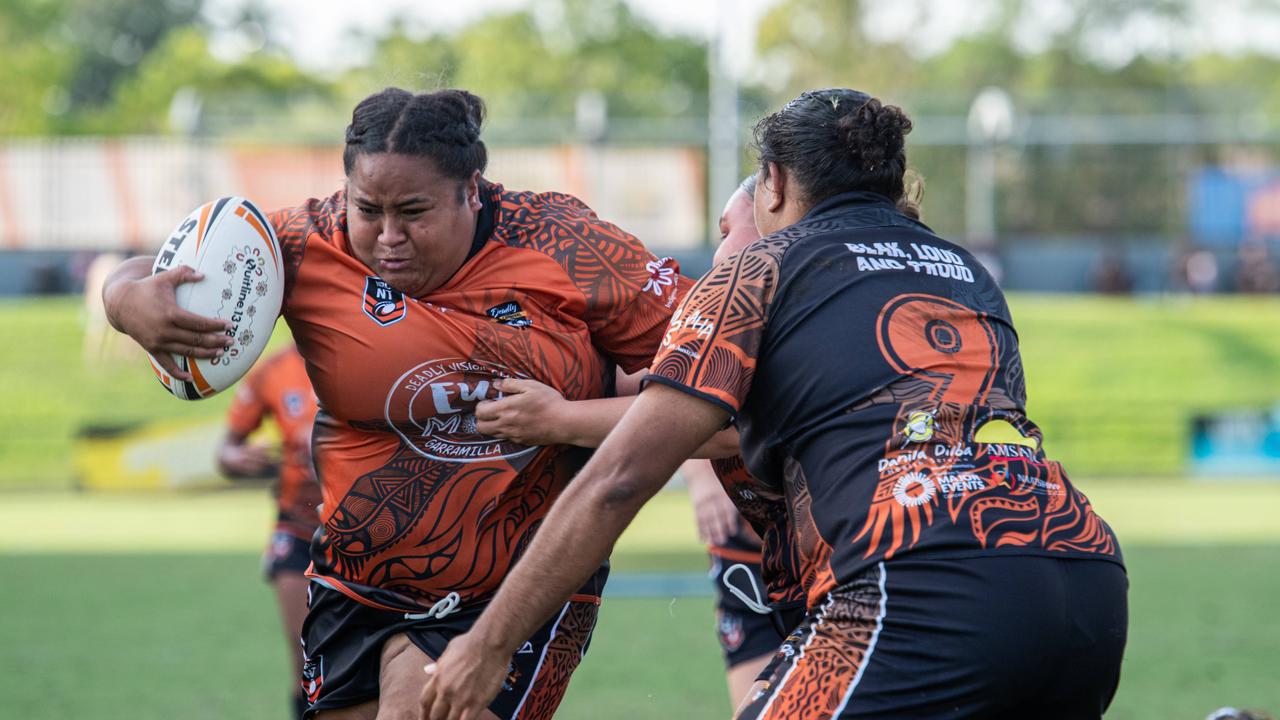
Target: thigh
(402, 678)
(291, 594)
(539, 672)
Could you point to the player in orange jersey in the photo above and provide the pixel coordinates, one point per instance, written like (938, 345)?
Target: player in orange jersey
(278, 388)
(950, 567)
(748, 629)
(411, 293)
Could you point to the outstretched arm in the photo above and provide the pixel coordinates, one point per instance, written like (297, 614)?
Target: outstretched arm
(531, 413)
(659, 431)
(238, 458)
(142, 306)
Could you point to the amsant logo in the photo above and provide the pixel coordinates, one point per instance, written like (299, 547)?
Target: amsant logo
(432, 408)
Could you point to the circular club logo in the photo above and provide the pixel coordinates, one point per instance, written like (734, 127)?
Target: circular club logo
(432, 408)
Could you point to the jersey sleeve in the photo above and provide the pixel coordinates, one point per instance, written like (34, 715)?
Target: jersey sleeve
(714, 338)
(248, 406)
(296, 225)
(630, 292)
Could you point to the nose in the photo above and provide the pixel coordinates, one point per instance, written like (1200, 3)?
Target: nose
(392, 231)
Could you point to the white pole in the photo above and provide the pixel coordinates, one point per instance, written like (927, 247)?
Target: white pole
(722, 119)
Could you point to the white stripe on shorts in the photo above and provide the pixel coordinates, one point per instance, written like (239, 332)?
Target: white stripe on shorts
(871, 646)
(541, 659)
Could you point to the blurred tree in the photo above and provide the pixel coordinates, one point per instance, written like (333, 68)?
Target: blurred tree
(37, 65)
(112, 37)
(1084, 62)
(533, 66)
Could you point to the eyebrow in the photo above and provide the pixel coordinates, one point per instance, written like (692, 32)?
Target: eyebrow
(361, 200)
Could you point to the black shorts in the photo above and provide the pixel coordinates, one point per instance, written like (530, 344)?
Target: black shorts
(286, 553)
(994, 637)
(342, 650)
(744, 633)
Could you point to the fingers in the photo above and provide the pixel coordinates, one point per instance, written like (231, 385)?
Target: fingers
(428, 697)
(721, 529)
(180, 275)
(213, 327)
(492, 428)
(169, 365)
(488, 410)
(515, 386)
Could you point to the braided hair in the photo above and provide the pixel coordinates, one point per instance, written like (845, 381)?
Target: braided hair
(443, 126)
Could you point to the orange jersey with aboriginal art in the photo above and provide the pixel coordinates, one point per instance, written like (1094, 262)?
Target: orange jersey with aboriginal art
(278, 387)
(874, 374)
(417, 503)
(766, 540)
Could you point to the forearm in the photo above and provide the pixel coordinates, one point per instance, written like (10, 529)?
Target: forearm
(577, 536)
(586, 423)
(586, 520)
(127, 271)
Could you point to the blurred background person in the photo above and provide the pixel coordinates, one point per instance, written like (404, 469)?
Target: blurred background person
(278, 389)
(1256, 271)
(1110, 274)
(1194, 271)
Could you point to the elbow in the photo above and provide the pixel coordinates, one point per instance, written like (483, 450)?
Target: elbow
(623, 492)
(723, 444)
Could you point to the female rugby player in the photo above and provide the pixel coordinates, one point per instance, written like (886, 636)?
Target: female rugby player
(950, 568)
(409, 292)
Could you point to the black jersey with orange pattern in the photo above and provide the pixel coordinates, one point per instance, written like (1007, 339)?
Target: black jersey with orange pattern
(873, 370)
(418, 504)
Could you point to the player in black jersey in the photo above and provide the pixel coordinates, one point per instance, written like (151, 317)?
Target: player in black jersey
(950, 567)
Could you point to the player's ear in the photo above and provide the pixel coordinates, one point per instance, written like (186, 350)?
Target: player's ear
(775, 187)
(471, 191)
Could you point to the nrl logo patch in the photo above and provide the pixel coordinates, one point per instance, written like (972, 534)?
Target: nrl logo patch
(382, 303)
(510, 313)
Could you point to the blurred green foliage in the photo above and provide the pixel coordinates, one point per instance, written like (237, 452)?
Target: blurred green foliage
(114, 67)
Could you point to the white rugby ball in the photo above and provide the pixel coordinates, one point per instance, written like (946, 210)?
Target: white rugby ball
(231, 242)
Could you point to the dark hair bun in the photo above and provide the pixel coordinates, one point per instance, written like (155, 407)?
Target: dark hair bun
(839, 140)
(874, 134)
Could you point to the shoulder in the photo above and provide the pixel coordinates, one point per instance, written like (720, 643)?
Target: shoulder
(541, 220)
(760, 259)
(315, 216)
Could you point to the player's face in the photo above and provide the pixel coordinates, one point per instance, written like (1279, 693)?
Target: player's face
(737, 226)
(409, 223)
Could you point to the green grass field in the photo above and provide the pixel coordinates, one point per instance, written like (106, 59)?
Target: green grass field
(150, 606)
(1113, 382)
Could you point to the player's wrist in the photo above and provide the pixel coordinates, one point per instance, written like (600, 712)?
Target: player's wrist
(563, 428)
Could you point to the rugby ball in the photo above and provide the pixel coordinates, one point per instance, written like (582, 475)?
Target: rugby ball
(231, 242)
